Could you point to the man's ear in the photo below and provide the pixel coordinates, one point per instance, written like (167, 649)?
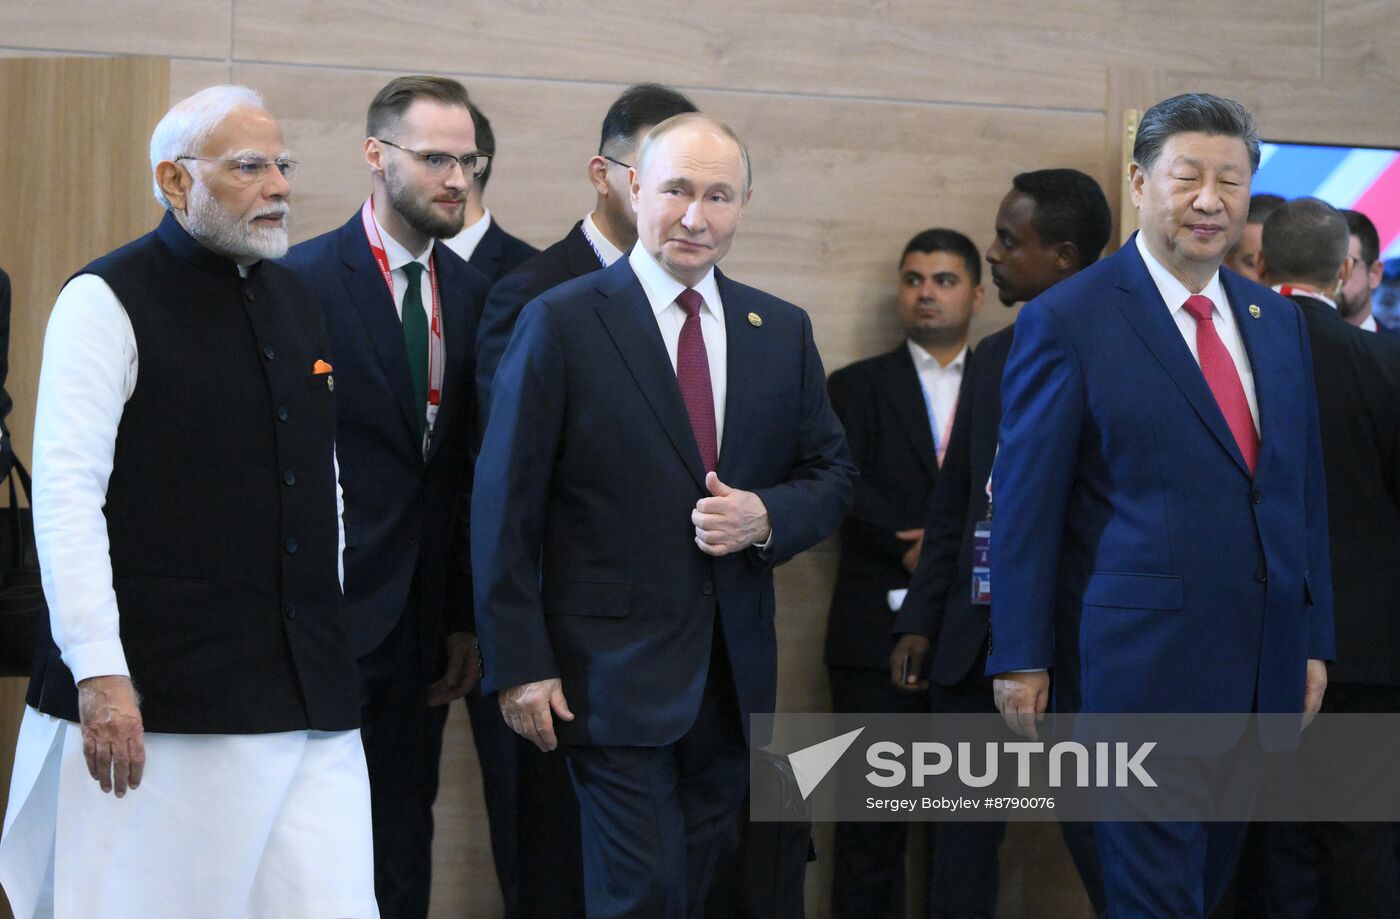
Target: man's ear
(1137, 177)
(374, 155)
(174, 181)
(598, 174)
(1066, 257)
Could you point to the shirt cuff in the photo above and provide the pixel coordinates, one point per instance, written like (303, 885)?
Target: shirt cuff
(1031, 670)
(96, 658)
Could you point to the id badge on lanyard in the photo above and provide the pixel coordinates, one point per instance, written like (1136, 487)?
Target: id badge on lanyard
(982, 555)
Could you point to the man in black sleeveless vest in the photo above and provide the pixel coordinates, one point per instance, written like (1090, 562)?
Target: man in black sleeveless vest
(401, 312)
(186, 517)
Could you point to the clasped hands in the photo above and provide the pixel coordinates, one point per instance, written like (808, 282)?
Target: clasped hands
(728, 521)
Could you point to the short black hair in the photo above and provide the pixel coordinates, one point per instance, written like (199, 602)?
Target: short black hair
(1194, 113)
(485, 141)
(940, 239)
(1262, 205)
(1360, 226)
(1305, 239)
(644, 105)
(1069, 207)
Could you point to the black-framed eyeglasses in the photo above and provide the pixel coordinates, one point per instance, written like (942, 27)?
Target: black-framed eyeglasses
(249, 169)
(473, 164)
(617, 162)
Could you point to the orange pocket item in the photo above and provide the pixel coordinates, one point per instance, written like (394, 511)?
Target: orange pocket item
(320, 367)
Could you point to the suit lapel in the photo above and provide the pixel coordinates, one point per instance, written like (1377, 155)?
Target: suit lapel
(454, 344)
(579, 254)
(375, 305)
(1143, 308)
(1259, 341)
(626, 314)
(744, 356)
(487, 254)
(906, 397)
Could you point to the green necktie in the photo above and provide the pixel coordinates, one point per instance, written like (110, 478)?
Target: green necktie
(415, 339)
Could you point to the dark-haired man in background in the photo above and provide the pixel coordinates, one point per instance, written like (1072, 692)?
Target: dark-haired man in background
(1051, 224)
(1336, 870)
(533, 811)
(1243, 256)
(401, 313)
(602, 237)
(1149, 547)
(1365, 274)
(486, 247)
(897, 410)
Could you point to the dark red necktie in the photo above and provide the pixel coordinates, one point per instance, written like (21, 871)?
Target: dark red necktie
(693, 373)
(1223, 378)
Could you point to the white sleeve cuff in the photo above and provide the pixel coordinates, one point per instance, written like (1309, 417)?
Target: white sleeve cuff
(96, 658)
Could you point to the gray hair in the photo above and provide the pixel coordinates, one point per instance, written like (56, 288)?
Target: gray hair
(677, 121)
(186, 127)
(1305, 239)
(1194, 113)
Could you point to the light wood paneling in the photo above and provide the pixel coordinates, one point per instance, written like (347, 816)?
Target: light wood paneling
(192, 28)
(1050, 54)
(1360, 41)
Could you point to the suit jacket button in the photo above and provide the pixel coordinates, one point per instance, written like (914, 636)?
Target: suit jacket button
(1261, 574)
(291, 611)
(281, 413)
(1256, 497)
(268, 352)
(248, 295)
(708, 589)
(289, 477)
(413, 540)
(291, 545)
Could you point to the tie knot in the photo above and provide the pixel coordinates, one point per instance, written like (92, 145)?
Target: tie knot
(690, 301)
(1200, 307)
(413, 271)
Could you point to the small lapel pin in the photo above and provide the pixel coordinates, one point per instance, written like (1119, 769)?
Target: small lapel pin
(1254, 311)
(755, 320)
(330, 383)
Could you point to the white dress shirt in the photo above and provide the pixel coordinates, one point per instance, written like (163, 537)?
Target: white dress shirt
(661, 290)
(465, 242)
(602, 246)
(1369, 323)
(88, 374)
(940, 385)
(1174, 293)
(399, 256)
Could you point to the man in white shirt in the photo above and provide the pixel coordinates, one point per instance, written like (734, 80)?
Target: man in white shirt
(186, 514)
(1160, 541)
(897, 409)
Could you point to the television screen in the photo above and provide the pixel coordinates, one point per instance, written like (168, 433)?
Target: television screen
(1364, 179)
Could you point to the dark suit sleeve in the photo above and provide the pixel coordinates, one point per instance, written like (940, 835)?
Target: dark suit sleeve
(874, 519)
(1042, 411)
(937, 571)
(1322, 644)
(809, 506)
(510, 505)
(5, 402)
(503, 305)
(459, 608)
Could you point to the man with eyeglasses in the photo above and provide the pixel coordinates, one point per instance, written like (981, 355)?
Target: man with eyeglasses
(401, 312)
(187, 522)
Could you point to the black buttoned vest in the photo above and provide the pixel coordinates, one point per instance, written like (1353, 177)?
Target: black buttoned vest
(221, 507)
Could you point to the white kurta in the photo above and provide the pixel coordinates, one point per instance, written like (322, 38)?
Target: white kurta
(222, 825)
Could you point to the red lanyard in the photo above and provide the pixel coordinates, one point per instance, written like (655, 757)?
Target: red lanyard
(376, 248)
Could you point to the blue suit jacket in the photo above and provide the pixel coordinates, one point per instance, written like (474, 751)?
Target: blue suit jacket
(1132, 552)
(584, 556)
(405, 516)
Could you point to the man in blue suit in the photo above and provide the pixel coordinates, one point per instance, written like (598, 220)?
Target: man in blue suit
(660, 437)
(1160, 538)
(401, 312)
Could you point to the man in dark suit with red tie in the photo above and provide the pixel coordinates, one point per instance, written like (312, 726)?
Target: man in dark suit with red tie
(660, 437)
(1160, 538)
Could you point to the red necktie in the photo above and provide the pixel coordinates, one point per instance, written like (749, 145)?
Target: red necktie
(1223, 378)
(693, 373)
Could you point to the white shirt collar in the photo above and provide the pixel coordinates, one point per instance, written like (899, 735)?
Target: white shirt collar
(1369, 323)
(923, 359)
(395, 252)
(465, 242)
(1173, 292)
(662, 289)
(600, 243)
(1305, 291)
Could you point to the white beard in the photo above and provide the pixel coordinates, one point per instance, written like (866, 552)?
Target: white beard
(231, 236)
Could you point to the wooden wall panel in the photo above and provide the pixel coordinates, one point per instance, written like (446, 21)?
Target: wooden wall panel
(1360, 40)
(1049, 54)
(192, 28)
